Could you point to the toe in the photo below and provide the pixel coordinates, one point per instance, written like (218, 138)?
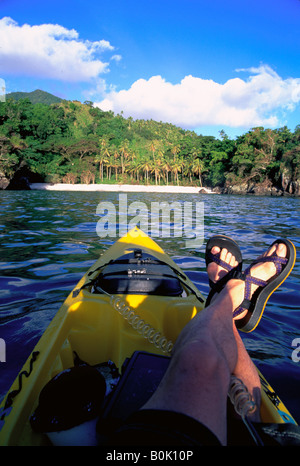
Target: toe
(233, 262)
(281, 250)
(224, 255)
(215, 250)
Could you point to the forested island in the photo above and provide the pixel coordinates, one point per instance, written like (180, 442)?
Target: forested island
(46, 139)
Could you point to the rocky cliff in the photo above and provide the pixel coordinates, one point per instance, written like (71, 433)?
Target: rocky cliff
(288, 186)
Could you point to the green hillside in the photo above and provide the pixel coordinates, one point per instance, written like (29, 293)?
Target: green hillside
(35, 97)
(75, 142)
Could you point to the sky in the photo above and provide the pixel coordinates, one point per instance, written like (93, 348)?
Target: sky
(202, 65)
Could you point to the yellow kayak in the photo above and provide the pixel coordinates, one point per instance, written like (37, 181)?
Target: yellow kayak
(133, 299)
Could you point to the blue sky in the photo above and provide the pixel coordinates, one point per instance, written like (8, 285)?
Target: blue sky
(202, 65)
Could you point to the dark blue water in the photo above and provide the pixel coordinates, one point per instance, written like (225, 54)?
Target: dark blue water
(49, 239)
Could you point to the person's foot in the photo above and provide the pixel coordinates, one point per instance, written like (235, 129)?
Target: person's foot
(214, 271)
(261, 270)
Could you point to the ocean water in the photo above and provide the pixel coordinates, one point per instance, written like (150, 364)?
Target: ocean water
(49, 239)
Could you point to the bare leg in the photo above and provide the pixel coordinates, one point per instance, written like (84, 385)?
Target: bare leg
(245, 369)
(206, 353)
(197, 380)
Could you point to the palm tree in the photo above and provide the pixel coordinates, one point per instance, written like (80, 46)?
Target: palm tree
(156, 169)
(146, 166)
(106, 160)
(111, 163)
(131, 159)
(102, 156)
(159, 162)
(177, 166)
(153, 147)
(198, 168)
(166, 168)
(124, 154)
(135, 167)
(175, 150)
(114, 160)
(188, 168)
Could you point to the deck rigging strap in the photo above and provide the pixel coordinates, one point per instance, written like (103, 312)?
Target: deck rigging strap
(11, 395)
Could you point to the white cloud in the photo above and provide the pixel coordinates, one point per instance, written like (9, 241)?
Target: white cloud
(117, 58)
(195, 101)
(49, 51)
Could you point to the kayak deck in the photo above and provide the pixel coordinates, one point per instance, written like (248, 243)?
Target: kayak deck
(99, 327)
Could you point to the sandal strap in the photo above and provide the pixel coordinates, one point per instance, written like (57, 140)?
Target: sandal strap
(216, 258)
(250, 280)
(245, 306)
(277, 261)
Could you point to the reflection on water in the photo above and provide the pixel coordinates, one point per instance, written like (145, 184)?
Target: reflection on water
(49, 239)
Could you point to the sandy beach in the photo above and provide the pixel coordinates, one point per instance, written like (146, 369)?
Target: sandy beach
(119, 188)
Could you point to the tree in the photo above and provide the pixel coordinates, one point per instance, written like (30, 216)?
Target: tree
(291, 162)
(70, 178)
(56, 140)
(218, 168)
(101, 156)
(198, 168)
(166, 167)
(115, 162)
(188, 168)
(8, 158)
(86, 169)
(243, 160)
(146, 167)
(177, 166)
(82, 148)
(123, 149)
(157, 170)
(135, 168)
(175, 150)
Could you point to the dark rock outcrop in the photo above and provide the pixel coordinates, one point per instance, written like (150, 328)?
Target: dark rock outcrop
(255, 189)
(4, 181)
(290, 184)
(22, 179)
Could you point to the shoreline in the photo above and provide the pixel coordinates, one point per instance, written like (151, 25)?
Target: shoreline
(120, 188)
